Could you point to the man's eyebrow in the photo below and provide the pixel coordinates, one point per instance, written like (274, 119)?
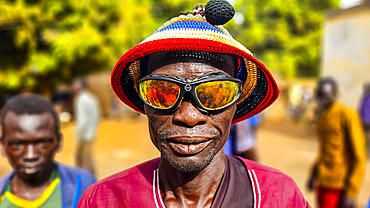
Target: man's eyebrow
(12, 140)
(43, 139)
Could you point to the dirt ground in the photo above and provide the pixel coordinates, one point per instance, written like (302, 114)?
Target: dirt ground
(124, 143)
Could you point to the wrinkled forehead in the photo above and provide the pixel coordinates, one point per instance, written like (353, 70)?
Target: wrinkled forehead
(29, 122)
(224, 62)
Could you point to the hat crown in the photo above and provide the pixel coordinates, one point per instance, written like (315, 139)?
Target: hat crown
(191, 21)
(191, 27)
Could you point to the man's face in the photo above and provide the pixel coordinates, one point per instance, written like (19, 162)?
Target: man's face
(367, 88)
(76, 86)
(187, 138)
(30, 144)
(326, 95)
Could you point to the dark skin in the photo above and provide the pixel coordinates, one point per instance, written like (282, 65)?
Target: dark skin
(30, 143)
(192, 161)
(367, 88)
(326, 97)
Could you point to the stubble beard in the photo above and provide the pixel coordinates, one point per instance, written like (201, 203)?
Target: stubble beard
(184, 164)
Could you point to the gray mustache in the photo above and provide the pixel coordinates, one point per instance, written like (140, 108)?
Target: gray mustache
(196, 130)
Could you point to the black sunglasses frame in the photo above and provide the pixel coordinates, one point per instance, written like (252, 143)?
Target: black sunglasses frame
(188, 85)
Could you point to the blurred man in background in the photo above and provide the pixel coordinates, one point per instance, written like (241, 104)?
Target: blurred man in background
(86, 109)
(365, 114)
(30, 138)
(340, 167)
(242, 140)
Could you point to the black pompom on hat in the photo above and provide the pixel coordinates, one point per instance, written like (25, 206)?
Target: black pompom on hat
(219, 12)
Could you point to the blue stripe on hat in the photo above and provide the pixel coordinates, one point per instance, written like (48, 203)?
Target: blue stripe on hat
(190, 24)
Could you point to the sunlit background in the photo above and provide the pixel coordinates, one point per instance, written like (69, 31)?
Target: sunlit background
(45, 44)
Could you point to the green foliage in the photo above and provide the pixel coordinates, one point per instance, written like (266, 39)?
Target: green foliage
(284, 35)
(63, 39)
(55, 41)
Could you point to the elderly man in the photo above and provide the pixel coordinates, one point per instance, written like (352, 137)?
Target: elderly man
(192, 80)
(340, 167)
(30, 138)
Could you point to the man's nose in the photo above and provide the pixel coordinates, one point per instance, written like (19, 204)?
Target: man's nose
(189, 115)
(31, 154)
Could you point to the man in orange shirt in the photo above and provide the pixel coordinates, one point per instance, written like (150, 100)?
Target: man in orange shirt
(340, 167)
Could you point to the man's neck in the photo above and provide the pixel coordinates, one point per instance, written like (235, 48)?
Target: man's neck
(30, 190)
(195, 189)
(326, 108)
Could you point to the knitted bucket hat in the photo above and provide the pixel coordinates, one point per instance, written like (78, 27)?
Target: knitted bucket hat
(198, 32)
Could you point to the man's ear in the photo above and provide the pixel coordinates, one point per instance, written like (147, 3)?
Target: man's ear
(60, 142)
(2, 149)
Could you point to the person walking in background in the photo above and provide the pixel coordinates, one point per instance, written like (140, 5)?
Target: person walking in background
(30, 138)
(365, 114)
(242, 138)
(340, 166)
(87, 112)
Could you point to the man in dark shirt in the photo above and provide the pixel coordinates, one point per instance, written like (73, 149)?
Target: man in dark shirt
(192, 80)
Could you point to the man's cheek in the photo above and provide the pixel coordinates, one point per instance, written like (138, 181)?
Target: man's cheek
(153, 125)
(158, 122)
(13, 161)
(153, 135)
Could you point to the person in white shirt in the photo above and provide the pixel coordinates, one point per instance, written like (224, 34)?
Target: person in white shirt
(87, 113)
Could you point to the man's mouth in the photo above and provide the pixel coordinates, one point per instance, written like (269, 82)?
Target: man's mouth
(188, 146)
(30, 170)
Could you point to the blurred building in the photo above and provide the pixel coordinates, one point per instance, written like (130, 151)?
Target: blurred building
(346, 50)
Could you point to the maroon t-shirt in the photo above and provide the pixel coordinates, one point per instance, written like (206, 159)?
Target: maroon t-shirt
(235, 187)
(139, 187)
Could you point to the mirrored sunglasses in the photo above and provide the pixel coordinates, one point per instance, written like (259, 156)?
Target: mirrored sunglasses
(211, 92)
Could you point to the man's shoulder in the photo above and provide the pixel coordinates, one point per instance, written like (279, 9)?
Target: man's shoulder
(126, 176)
(86, 96)
(68, 169)
(268, 173)
(4, 180)
(6, 176)
(274, 187)
(345, 110)
(133, 185)
(70, 173)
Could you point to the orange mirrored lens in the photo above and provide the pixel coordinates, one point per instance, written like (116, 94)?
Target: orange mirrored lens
(159, 93)
(217, 94)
